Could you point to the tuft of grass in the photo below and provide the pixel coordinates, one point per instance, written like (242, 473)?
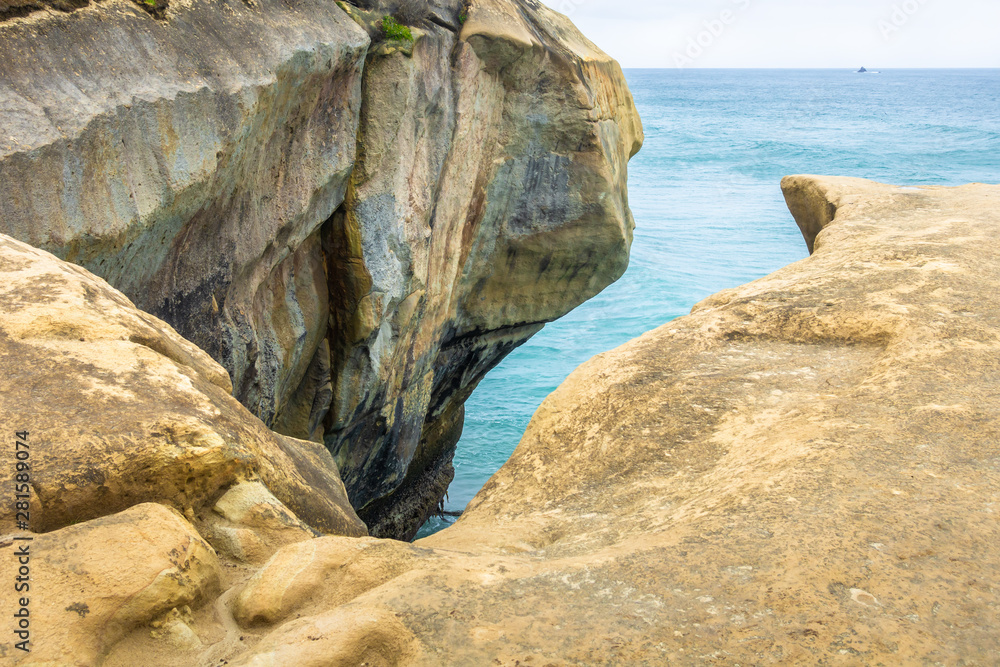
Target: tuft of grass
(463, 17)
(393, 29)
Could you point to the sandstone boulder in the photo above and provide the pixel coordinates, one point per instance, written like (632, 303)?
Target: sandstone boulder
(325, 573)
(249, 524)
(93, 582)
(344, 637)
(121, 410)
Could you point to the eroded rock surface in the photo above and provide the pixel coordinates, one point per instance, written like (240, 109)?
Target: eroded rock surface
(805, 470)
(191, 162)
(357, 250)
(249, 524)
(96, 581)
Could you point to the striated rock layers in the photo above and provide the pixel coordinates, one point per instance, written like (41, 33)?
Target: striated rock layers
(489, 196)
(356, 232)
(805, 470)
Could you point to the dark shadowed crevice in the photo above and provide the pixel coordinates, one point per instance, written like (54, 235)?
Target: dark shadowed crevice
(10, 9)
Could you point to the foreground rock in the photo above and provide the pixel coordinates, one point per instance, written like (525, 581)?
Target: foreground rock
(121, 410)
(97, 581)
(803, 471)
(357, 254)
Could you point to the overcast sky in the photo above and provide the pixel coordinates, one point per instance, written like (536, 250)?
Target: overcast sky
(792, 33)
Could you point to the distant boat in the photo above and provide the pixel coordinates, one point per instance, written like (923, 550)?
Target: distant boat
(867, 71)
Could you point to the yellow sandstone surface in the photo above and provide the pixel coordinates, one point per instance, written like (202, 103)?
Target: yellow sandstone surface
(805, 470)
(121, 410)
(94, 582)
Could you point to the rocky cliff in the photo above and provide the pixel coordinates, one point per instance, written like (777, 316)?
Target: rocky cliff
(805, 470)
(489, 197)
(356, 230)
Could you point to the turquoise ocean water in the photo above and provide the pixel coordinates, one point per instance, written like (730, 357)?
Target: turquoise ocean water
(709, 211)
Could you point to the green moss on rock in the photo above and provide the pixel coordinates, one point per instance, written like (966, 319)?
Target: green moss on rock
(393, 29)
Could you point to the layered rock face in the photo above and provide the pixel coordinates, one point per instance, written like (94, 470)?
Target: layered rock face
(489, 197)
(805, 470)
(356, 233)
(191, 163)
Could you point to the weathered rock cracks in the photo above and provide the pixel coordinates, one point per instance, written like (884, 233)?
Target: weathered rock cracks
(357, 232)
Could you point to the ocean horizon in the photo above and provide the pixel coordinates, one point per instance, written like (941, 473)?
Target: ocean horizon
(807, 69)
(709, 210)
